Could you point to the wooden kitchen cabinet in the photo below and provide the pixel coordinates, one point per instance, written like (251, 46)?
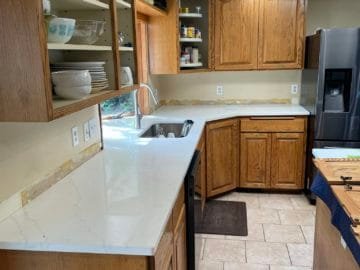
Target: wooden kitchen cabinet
(287, 160)
(255, 159)
(26, 93)
(273, 152)
(180, 241)
(235, 34)
(222, 156)
(281, 34)
(258, 34)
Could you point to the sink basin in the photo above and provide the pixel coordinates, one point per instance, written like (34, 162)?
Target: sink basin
(168, 130)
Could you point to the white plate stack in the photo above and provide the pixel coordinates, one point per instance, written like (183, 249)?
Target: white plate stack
(99, 80)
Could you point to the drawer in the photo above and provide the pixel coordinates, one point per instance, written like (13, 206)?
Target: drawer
(273, 124)
(178, 205)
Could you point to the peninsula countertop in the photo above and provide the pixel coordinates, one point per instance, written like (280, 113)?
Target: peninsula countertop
(119, 201)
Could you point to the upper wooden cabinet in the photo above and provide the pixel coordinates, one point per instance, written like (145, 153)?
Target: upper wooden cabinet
(235, 34)
(258, 34)
(222, 156)
(281, 34)
(26, 93)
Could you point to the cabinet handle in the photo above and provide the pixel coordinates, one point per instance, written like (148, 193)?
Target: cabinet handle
(273, 118)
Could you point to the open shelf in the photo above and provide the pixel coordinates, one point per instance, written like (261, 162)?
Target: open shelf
(190, 15)
(122, 4)
(149, 10)
(126, 49)
(190, 40)
(191, 65)
(63, 107)
(79, 5)
(78, 47)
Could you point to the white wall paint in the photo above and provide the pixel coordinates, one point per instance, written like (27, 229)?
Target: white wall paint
(31, 151)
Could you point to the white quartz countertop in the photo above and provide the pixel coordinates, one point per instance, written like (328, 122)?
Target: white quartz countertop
(336, 152)
(119, 201)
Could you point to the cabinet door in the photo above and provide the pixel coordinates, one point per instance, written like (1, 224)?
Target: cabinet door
(164, 256)
(255, 160)
(222, 156)
(200, 185)
(235, 34)
(287, 160)
(281, 34)
(180, 242)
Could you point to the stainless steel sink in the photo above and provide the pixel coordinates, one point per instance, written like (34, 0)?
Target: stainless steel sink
(168, 130)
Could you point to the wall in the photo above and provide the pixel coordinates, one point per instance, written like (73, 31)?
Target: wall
(32, 151)
(245, 85)
(332, 13)
(256, 85)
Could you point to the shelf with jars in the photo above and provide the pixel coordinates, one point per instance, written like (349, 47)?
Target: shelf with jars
(193, 29)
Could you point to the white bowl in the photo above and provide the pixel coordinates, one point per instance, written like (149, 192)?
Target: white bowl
(71, 78)
(77, 92)
(60, 30)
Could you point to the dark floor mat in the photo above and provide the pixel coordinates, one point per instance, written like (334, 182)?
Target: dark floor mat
(221, 217)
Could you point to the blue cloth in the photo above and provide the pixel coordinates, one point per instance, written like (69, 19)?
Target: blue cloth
(321, 188)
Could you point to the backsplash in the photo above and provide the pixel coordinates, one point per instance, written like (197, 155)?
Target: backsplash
(32, 152)
(239, 86)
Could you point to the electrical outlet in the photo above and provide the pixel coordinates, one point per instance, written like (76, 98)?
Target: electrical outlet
(92, 127)
(86, 131)
(75, 136)
(220, 90)
(294, 89)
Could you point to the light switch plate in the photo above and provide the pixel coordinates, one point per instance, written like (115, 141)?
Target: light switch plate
(86, 131)
(92, 127)
(75, 136)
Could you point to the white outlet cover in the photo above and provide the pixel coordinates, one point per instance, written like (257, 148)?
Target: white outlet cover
(220, 90)
(86, 131)
(75, 136)
(92, 127)
(294, 89)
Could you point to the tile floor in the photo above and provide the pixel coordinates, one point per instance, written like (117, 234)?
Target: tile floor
(280, 236)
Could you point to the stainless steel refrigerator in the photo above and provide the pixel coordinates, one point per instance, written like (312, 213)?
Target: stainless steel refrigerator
(331, 91)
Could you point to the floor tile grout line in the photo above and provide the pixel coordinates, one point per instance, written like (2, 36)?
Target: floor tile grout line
(287, 248)
(301, 228)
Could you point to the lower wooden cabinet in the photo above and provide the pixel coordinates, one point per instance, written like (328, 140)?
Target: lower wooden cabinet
(255, 156)
(180, 242)
(222, 156)
(287, 160)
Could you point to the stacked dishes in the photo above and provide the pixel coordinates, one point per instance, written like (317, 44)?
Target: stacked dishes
(99, 80)
(72, 84)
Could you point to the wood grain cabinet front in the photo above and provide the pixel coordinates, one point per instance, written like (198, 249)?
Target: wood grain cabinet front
(258, 34)
(287, 160)
(281, 34)
(222, 156)
(236, 34)
(255, 159)
(272, 152)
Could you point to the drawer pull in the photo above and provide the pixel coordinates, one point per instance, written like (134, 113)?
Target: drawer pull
(273, 118)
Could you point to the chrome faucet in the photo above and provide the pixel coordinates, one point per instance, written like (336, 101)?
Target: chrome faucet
(138, 114)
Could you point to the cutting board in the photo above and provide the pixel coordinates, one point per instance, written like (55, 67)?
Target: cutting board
(333, 169)
(349, 200)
